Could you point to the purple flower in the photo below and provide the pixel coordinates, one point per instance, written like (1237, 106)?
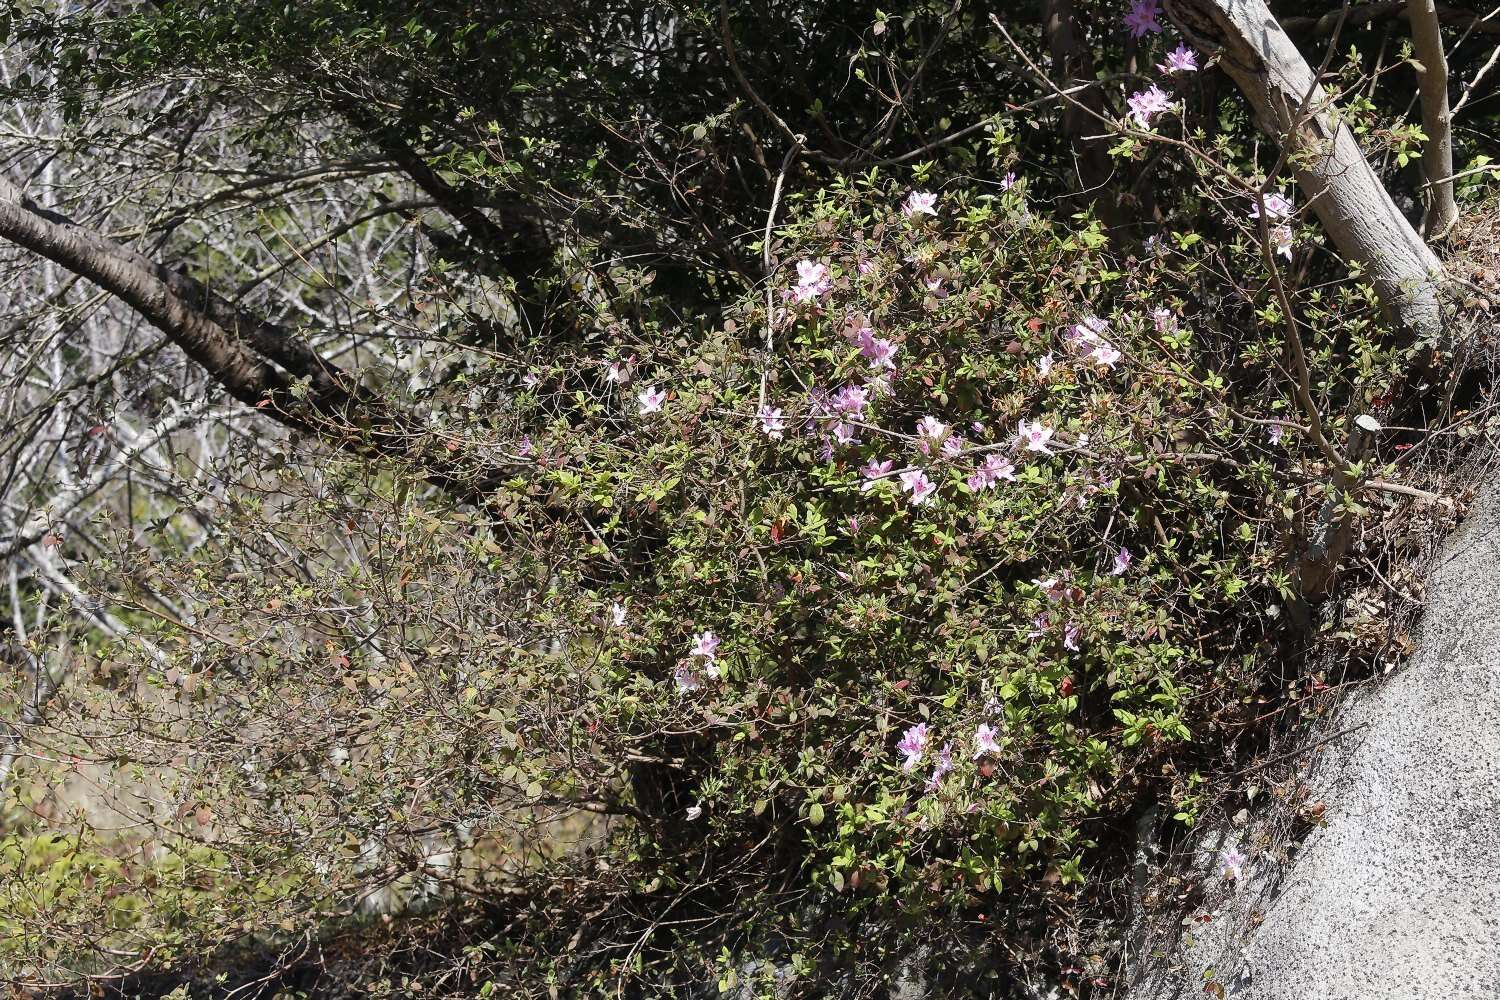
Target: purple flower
(1034, 436)
(995, 468)
(812, 281)
(851, 399)
(1070, 636)
(953, 446)
(1123, 559)
(772, 422)
(881, 353)
(1146, 104)
(1232, 863)
(1180, 60)
(874, 471)
(1284, 240)
(935, 288)
(618, 372)
(1274, 433)
(942, 769)
(932, 429)
(1039, 626)
(651, 400)
(919, 203)
(1164, 319)
(686, 679)
(1056, 588)
(914, 745)
(915, 482)
(1007, 182)
(705, 645)
(845, 434)
(1278, 207)
(1142, 18)
(985, 740)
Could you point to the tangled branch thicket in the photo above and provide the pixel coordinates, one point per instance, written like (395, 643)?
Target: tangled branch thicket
(731, 502)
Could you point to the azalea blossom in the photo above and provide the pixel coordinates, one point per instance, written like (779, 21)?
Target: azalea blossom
(617, 614)
(1232, 863)
(881, 353)
(953, 446)
(1055, 588)
(1070, 636)
(1180, 60)
(995, 468)
(1142, 19)
(772, 422)
(1008, 181)
(1163, 319)
(1039, 626)
(1087, 332)
(913, 745)
(942, 769)
(1044, 365)
(1274, 433)
(915, 482)
(1279, 208)
(1123, 559)
(851, 399)
(686, 679)
(1147, 104)
(919, 203)
(845, 434)
(874, 471)
(693, 812)
(524, 448)
(812, 281)
(985, 740)
(706, 645)
(1284, 240)
(1105, 354)
(651, 400)
(618, 372)
(932, 429)
(1034, 436)
(935, 288)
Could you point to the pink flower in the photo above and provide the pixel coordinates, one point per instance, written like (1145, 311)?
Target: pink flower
(874, 471)
(705, 645)
(1164, 319)
(772, 422)
(1007, 182)
(812, 281)
(1123, 559)
(953, 446)
(1070, 636)
(1232, 863)
(915, 482)
(618, 372)
(919, 203)
(851, 399)
(1082, 336)
(1039, 626)
(1278, 207)
(845, 434)
(1105, 354)
(995, 468)
(932, 429)
(1180, 60)
(1056, 589)
(1275, 432)
(1146, 104)
(1044, 365)
(1284, 239)
(935, 288)
(1142, 18)
(617, 614)
(942, 769)
(913, 745)
(881, 353)
(651, 400)
(1034, 436)
(985, 740)
(686, 679)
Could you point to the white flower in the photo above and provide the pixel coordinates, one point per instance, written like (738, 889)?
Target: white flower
(651, 400)
(1034, 436)
(694, 812)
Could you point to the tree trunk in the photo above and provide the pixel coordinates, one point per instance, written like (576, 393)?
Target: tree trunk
(1354, 207)
(1072, 65)
(1437, 156)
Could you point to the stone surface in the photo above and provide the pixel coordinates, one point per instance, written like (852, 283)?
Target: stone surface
(1398, 895)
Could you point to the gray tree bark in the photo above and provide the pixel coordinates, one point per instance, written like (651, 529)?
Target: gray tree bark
(1356, 210)
(1437, 155)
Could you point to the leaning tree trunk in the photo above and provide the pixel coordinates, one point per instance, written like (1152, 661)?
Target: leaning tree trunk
(1354, 207)
(1437, 155)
